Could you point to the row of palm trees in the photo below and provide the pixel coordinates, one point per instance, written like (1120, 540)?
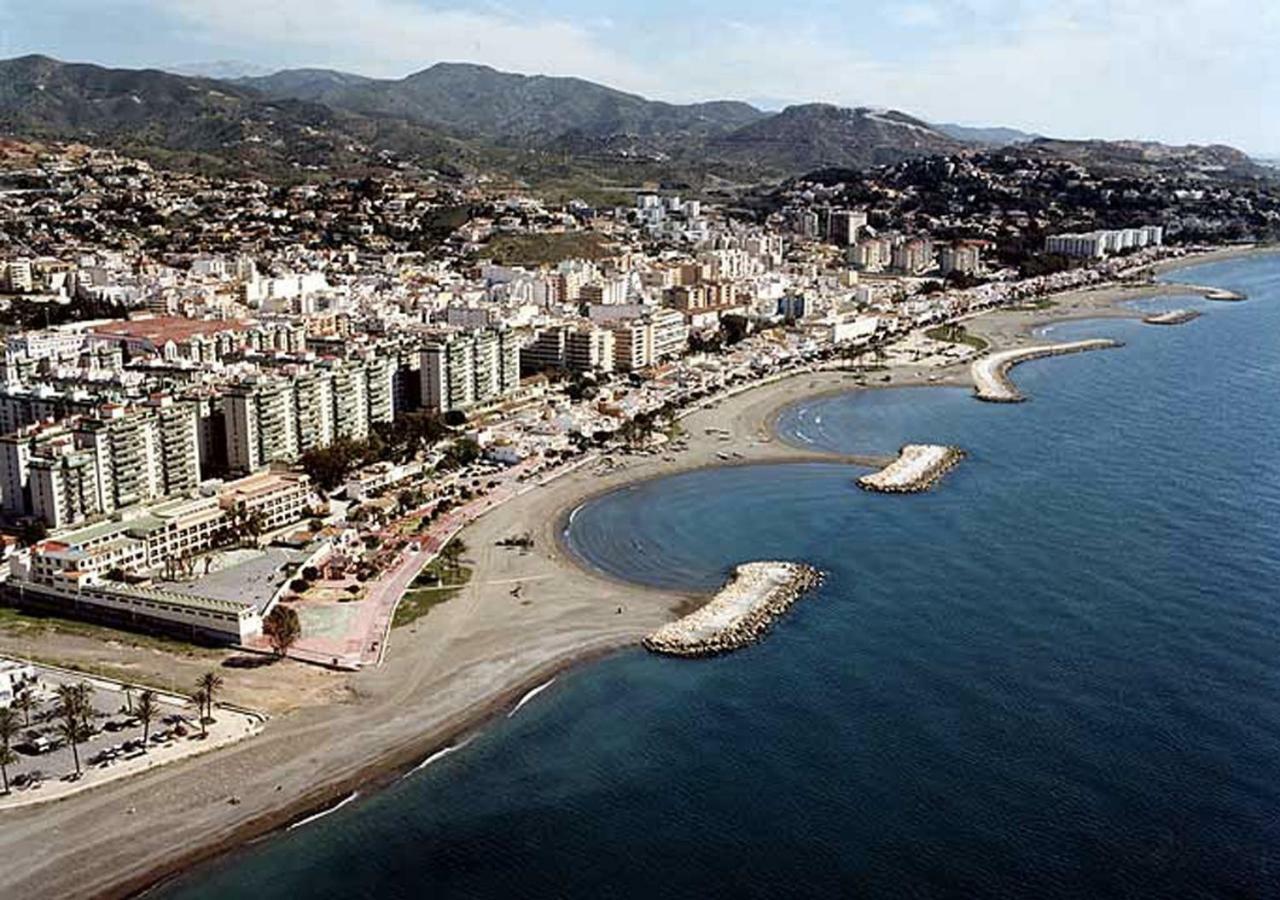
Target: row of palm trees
(75, 714)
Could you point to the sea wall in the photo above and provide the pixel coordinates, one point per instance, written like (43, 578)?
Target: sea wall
(917, 468)
(740, 614)
(991, 373)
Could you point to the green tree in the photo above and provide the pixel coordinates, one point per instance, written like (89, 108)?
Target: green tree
(282, 628)
(9, 727)
(201, 698)
(210, 684)
(146, 712)
(24, 701)
(74, 710)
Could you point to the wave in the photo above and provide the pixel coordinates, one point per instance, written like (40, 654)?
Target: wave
(529, 696)
(438, 755)
(326, 812)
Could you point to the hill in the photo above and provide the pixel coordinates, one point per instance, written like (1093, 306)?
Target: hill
(525, 110)
(816, 136)
(199, 121)
(987, 136)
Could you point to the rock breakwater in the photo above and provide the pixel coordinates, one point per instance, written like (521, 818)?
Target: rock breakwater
(740, 614)
(917, 468)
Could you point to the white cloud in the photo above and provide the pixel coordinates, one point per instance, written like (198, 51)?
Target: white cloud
(919, 15)
(395, 37)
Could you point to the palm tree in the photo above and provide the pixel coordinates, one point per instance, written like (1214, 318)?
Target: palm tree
(146, 713)
(209, 684)
(200, 698)
(72, 699)
(25, 701)
(9, 728)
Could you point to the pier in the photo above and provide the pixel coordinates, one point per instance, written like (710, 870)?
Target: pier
(740, 614)
(991, 373)
(917, 468)
(1172, 317)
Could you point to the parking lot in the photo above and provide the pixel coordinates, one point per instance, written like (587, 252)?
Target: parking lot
(114, 746)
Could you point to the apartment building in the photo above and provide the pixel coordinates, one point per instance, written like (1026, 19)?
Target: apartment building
(470, 368)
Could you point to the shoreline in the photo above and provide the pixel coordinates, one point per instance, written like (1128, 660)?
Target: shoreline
(508, 649)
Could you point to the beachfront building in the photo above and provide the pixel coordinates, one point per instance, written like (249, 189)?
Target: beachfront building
(1097, 244)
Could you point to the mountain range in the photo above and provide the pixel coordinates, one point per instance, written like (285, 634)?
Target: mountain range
(465, 117)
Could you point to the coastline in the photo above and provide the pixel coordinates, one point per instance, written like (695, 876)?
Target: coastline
(465, 664)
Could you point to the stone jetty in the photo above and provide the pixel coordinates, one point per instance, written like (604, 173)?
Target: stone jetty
(1172, 317)
(740, 614)
(917, 468)
(991, 373)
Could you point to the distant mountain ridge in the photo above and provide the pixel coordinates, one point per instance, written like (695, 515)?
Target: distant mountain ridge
(526, 109)
(465, 117)
(819, 135)
(987, 135)
(218, 122)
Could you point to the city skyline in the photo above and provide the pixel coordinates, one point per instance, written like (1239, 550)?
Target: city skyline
(1147, 76)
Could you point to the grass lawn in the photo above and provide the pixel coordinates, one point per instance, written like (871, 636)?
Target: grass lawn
(19, 624)
(423, 595)
(956, 334)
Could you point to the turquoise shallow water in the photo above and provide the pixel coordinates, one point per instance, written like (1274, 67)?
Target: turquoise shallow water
(1055, 676)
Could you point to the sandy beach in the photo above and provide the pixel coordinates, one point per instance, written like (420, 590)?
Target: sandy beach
(470, 659)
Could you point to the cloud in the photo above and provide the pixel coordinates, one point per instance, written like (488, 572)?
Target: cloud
(919, 15)
(394, 37)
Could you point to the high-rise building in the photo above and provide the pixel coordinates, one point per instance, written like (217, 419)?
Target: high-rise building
(313, 398)
(261, 420)
(469, 368)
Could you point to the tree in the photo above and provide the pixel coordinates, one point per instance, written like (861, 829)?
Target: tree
(9, 727)
(146, 712)
(282, 628)
(34, 532)
(73, 712)
(201, 698)
(24, 701)
(733, 328)
(210, 684)
(451, 555)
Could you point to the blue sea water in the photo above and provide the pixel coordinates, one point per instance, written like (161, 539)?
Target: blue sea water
(1057, 675)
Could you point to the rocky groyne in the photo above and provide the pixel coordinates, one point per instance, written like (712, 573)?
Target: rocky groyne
(917, 468)
(740, 614)
(1172, 317)
(991, 373)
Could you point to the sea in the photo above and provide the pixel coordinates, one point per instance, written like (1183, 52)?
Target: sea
(1057, 675)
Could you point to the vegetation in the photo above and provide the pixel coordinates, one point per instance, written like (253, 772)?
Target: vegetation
(282, 628)
(398, 441)
(956, 334)
(209, 685)
(9, 727)
(201, 698)
(74, 709)
(146, 712)
(533, 250)
(31, 626)
(442, 579)
(24, 702)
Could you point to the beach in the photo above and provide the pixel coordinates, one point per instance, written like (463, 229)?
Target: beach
(470, 659)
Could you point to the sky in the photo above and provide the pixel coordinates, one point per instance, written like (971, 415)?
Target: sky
(1181, 71)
